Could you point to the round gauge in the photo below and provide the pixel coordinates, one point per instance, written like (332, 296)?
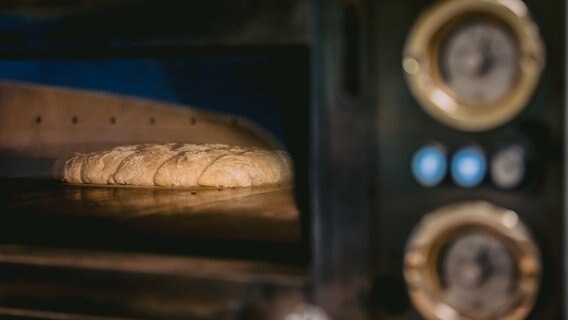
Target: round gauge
(478, 63)
(473, 65)
(478, 272)
(472, 260)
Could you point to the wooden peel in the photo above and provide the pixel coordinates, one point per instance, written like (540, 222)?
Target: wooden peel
(41, 122)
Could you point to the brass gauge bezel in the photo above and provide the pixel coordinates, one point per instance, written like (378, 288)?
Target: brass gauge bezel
(420, 62)
(441, 225)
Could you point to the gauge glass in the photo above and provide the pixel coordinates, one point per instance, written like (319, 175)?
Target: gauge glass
(478, 62)
(478, 272)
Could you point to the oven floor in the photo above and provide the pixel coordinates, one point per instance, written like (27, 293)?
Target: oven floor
(258, 224)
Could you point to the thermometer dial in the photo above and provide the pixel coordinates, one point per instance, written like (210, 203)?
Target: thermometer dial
(478, 271)
(473, 65)
(478, 63)
(472, 260)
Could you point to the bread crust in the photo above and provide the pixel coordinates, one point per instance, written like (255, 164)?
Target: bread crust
(180, 165)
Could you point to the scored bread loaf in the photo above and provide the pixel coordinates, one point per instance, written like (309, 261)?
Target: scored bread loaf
(180, 165)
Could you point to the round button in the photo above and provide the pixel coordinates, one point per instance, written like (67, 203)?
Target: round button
(468, 167)
(429, 165)
(508, 167)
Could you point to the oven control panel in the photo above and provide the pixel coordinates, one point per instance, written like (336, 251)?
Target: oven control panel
(472, 66)
(475, 216)
(445, 123)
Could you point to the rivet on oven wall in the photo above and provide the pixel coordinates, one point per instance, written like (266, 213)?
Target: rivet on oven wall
(38, 119)
(112, 120)
(74, 120)
(152, 120)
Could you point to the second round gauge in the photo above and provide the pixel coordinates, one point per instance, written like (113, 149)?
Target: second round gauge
(478, 271)
(472, 260)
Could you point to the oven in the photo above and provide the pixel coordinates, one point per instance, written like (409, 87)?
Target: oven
(427, 139)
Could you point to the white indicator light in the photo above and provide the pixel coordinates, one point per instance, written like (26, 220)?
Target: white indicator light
(508, 167)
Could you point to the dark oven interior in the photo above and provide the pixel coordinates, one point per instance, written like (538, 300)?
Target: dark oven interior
(81, 77)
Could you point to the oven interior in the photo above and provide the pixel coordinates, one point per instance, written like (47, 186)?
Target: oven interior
(71, 83)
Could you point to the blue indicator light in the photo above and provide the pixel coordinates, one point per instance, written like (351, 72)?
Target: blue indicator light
(468, 167)
(429, 165)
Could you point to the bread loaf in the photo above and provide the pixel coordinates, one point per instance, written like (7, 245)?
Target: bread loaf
(180, 165)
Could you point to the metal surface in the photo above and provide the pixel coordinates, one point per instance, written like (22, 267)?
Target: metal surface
(368, 126)
(48, 283)
(343, 157)
(77, 214)
(39, 27)
(565, 189)
(112, 252)
(403, 127)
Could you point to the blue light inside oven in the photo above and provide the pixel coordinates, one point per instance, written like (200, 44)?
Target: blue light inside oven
(468, 167)
(429, 165)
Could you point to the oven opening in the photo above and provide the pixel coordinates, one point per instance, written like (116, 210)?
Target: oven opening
(154, 159)
(52, 109)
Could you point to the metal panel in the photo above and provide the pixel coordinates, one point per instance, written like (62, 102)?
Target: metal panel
(368, 126)
(40, 26)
